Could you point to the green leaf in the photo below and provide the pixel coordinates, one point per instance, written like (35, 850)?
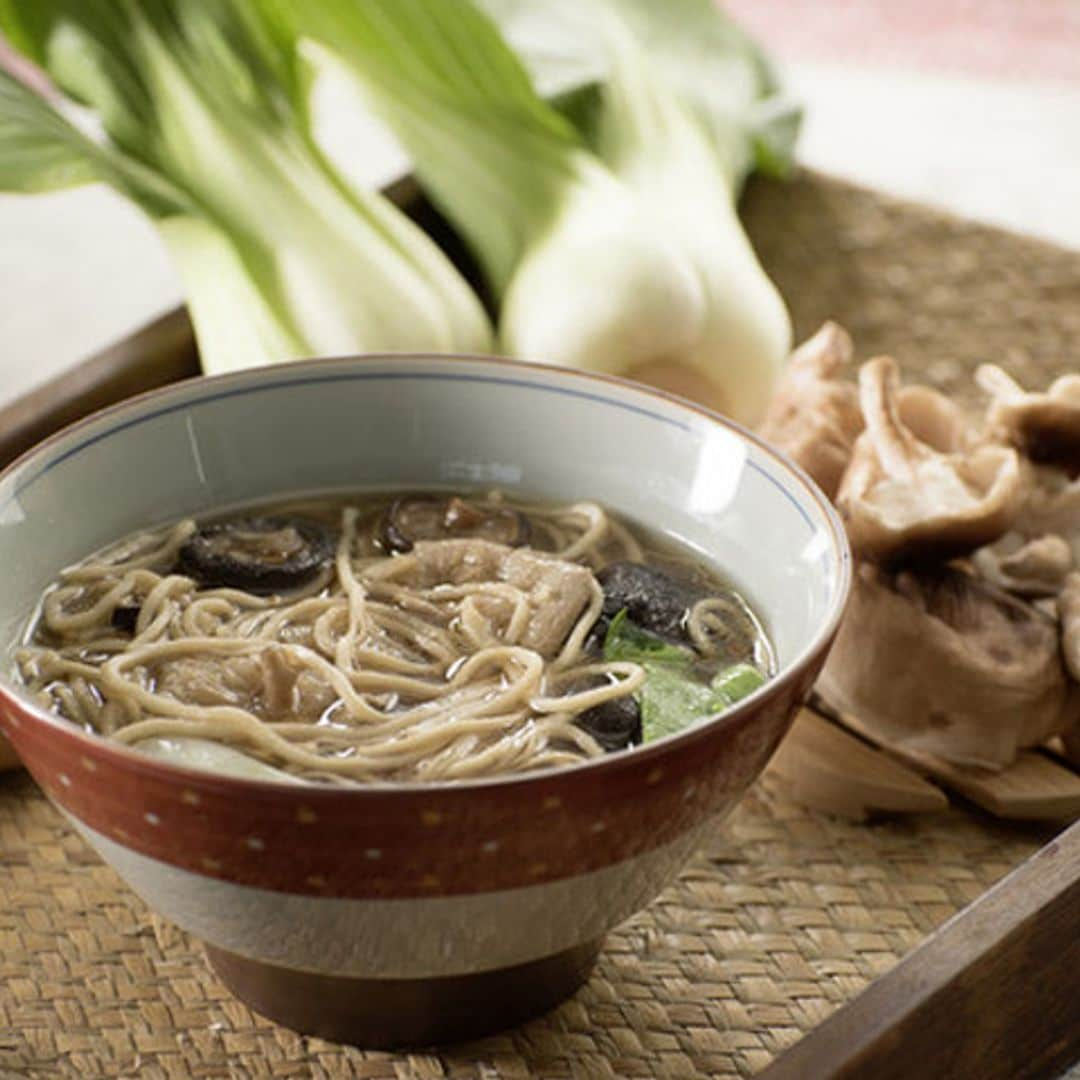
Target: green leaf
(41, 151)
(736, 682)
(626, 640)
(672, 697)
(671, 700)
(86, 47)
(491, 153)
(705, 58)
(204, 124)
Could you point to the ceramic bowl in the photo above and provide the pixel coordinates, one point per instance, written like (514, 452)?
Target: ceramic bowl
(413, 914)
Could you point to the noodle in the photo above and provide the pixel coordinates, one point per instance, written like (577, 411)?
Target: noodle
(373, 670)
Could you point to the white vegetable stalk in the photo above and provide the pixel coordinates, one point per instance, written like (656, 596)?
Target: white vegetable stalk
(633, 265)
(214, 757)
(654, 143)
(217, 287)
(336, 274)
(600, 283)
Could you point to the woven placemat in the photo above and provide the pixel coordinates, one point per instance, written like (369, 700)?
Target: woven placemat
(939, 293)
(784, 915)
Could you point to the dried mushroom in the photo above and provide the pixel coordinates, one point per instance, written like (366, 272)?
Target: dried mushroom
(1028, 567)
(934, 660)
(903, 499)
(814, 416)
(655, 600)
(1045, 426)
(433, 517)
(1069, 615)
(934, 419)
(615, 724)
(1068, 607)
(261, 555)
(1051, 506)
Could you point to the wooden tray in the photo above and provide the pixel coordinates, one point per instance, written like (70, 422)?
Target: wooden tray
(758, 957)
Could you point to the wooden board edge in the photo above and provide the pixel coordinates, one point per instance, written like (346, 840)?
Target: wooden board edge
(830, 769)
(993, 993)
(1037, 786)
(160, 353)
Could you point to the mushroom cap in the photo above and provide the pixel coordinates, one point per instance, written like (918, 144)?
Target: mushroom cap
(905, 500)
(937, 661)
(1045, 426)
(1027, 567)
(814, 415)
(934, 419)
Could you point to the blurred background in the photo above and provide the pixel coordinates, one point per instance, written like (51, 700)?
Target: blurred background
(971, 105)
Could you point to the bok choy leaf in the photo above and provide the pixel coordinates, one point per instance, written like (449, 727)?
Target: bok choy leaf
(584, 275)
(202, 114)
(672, 697)
(613, 245)
(680, 105)
(702, 55)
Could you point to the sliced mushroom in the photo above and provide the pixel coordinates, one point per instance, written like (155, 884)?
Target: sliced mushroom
(935, 660)
(904, 500)
(260, 555)
(426, 517)
(615, 724)
(1046, 426)
(1031, 568)
(663, 602)
(654, 600)
(814, 415)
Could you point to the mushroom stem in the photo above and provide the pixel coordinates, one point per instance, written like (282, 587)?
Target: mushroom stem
(897, 449)
(998, 383)
(814, 414)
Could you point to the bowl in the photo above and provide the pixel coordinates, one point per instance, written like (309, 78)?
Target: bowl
(412, 914)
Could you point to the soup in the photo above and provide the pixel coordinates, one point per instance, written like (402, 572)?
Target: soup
(425, 637)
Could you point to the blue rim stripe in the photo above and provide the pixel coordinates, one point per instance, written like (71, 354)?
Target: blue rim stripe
(387, 376)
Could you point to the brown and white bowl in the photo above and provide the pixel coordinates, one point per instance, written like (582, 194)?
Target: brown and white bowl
(411, 914)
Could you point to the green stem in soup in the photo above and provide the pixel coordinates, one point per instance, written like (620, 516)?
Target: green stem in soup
(673, 696)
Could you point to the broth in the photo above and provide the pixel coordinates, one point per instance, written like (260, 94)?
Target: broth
(424, 637)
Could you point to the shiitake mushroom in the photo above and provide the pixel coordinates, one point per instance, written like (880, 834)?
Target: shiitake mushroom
(615, 724)
(426, 517)
(260, 555)
(654, 600)
(125, 618)
(660, 602)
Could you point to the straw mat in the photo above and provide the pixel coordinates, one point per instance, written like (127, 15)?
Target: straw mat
(785, 915)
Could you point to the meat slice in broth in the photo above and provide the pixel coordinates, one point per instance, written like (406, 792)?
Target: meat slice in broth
(558, 591)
